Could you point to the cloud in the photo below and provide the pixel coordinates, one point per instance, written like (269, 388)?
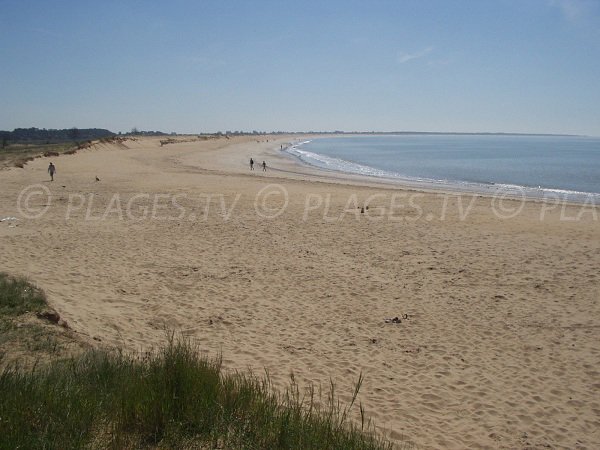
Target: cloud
(574, 10)
(406, 57)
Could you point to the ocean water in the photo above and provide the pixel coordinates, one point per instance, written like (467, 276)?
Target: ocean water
(562, 167)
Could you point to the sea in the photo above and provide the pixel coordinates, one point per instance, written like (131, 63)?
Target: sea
(531, 166)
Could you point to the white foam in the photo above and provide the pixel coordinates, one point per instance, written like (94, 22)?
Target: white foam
(341, 165)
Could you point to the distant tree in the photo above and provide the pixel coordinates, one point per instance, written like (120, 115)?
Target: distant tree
(74, 134)
(134, 130)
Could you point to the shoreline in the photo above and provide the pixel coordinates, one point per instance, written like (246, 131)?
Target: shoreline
(507, 191)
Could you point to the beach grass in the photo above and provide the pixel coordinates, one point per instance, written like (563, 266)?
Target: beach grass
(27, 335)
(19, 154)
(173, 397)
(18, 296)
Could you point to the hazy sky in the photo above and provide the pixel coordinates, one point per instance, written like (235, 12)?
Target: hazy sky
(194, 66)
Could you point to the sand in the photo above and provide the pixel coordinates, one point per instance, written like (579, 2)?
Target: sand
(501, 345)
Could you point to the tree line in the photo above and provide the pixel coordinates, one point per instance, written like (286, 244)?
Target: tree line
(52, 136)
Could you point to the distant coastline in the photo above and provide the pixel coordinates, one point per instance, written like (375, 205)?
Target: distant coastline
(461, 133)
(74, 134)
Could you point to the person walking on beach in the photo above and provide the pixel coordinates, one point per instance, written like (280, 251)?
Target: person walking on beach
(264, 164)
(251, 164)
(51, 171)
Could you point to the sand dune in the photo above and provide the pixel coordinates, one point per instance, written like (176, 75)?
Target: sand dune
(500, 348)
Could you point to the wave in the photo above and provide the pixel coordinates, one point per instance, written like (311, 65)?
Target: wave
(511, 190)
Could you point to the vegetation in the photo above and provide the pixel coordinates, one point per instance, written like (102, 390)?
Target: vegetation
(28, 331)
(44, 136)
(18, 296)
(20, 153)
(22, 145)
(17, 155)
(170, 398)
(135, 132)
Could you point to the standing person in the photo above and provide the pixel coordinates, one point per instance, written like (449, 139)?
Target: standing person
(264, 164)
(51, 171)
(251, 164)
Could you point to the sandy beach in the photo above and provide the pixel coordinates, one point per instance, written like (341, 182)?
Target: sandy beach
(498, 300)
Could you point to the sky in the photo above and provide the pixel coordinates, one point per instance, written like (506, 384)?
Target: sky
(529, 66)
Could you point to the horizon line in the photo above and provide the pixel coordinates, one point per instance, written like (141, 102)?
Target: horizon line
(273, 132)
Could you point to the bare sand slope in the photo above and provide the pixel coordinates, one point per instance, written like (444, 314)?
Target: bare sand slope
(501, 345)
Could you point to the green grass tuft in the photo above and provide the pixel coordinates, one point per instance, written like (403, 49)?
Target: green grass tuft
(172, 398)
(18, 296)
(169, 398)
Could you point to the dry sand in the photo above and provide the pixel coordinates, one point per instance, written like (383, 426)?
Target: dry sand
(502, 345)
